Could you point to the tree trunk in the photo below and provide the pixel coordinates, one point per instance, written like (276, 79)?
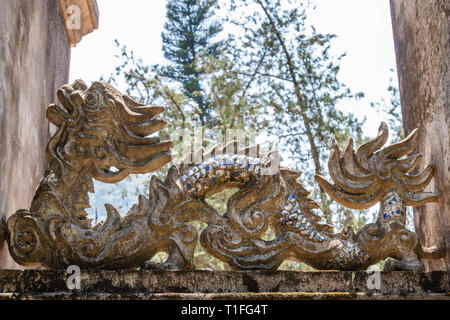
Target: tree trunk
(421, 36)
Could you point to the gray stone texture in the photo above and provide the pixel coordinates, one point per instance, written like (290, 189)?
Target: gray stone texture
(263, 284)
(34, 63)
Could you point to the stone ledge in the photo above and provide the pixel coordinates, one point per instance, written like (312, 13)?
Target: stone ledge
(194, 285)
(224, 296)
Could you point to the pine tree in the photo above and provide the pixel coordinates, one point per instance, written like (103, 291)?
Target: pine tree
(298, 75)
(189, 33)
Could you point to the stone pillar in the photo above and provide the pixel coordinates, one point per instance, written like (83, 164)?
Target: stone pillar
(35, 43)
(422, 46)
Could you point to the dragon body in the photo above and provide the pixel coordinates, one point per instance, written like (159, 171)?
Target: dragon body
(104, 135)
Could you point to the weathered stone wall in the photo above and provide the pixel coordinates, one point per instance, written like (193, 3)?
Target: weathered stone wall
(34, 63)
(421, 35)
(262, 284)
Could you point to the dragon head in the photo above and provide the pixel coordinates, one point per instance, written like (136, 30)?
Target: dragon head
(363, 177)
(104, 133)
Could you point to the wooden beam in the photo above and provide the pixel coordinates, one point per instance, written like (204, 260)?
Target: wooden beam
(80, 18)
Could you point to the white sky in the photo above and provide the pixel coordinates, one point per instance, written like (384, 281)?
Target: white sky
(363, 28)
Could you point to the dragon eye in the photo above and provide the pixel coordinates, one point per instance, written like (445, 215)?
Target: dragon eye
(91, 98)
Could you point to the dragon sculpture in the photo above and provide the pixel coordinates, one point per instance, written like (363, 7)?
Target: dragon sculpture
(105, 135)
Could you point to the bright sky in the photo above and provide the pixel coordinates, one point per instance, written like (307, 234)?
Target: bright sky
(363, 28)
(364, 32)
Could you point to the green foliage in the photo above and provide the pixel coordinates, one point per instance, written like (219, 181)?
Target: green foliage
(203, 260)
(189, 32)
(219, 200)
(235, 106)
(147, 84)
(297, 78)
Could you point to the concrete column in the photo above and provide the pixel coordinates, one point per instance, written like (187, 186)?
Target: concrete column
(34, 63)
(35, 41)
(422, 45)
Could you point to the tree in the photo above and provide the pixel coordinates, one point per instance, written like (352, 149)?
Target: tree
(294, 69)
(189, 33)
